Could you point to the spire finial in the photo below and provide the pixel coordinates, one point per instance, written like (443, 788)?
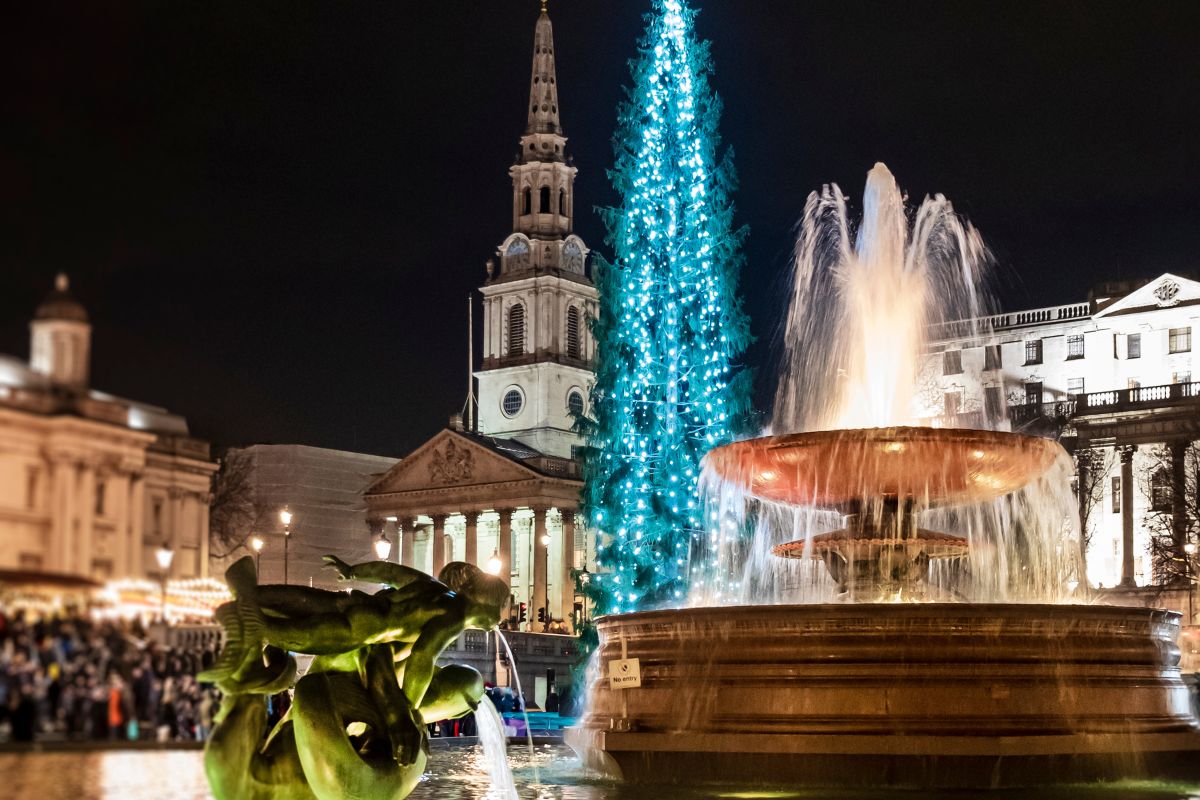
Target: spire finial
(61, 282)
(543, 6)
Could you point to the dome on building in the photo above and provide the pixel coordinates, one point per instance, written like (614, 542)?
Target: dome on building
(59, 304)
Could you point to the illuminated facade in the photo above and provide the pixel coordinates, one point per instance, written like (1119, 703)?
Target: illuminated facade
(92, 485)
(1113, 379)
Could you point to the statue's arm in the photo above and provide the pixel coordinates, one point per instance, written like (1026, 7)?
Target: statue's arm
(400, 717)
(420, 665)
(393, 575)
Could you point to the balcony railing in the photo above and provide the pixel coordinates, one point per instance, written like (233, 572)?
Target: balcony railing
(960, 328)
(1139, 398)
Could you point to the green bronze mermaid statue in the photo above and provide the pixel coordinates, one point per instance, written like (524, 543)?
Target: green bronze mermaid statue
(356, 727)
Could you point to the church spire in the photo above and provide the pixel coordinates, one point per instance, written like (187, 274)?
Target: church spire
(543, 89)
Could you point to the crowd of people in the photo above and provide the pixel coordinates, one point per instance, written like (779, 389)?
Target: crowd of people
(71, 677)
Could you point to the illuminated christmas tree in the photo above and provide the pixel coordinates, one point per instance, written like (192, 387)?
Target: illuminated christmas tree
(670, 329)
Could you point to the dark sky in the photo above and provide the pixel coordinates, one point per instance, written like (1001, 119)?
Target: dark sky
(275, 211)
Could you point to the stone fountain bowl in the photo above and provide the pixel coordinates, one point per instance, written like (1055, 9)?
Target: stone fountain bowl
(923, 466)
(922, 695)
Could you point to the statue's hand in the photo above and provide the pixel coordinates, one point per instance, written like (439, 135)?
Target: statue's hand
(408, 738)
(343, 570)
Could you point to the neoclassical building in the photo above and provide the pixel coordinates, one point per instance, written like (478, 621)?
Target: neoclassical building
(507, 485)
(1113, 378)
(92, 485)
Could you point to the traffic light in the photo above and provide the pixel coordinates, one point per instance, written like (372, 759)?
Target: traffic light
(521, 616)
(542, 614)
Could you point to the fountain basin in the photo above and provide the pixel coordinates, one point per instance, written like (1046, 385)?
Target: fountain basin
(921, 467)
(929, 695)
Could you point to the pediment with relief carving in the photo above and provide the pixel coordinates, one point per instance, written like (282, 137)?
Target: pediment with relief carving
(450, 459)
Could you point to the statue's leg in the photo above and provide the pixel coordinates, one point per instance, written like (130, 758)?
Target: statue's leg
(334, 769)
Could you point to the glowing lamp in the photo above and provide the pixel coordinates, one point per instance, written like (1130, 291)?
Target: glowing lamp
(494, 564)
(1190, 548)
(257, 543)
(383, 548)
(165, 555)
(545, 539)
(285, 517)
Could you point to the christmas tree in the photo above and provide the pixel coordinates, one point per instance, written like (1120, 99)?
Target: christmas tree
(670, 328)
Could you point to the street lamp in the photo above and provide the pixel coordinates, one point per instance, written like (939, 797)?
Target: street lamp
(494, 564)
(256, 544)
(285, 517)
(1189, 549)
(164, 555)
(383, 547)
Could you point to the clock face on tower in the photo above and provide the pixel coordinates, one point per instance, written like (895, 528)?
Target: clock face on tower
(573, 257)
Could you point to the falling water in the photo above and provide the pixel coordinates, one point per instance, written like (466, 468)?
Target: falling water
(853, 344)
(495, 751)
(524, 706)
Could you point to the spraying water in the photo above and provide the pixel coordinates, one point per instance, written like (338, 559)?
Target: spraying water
(854, 341)
(495, 751)
(524, 706)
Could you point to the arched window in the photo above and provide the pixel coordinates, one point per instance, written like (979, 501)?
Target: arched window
(527, 203)
(562, 202)
(575, 403)
(544, 201)
(516, 330)
(573, 348)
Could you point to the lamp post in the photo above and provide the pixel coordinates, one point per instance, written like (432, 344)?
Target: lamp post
(285, 517)
(256, 544)
(164, 555)
(545, 540)
(584, 578)
(383, 547)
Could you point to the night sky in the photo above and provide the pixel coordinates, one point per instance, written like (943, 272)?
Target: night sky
(275, 211)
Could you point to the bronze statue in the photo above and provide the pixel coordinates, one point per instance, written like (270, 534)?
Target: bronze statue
(356, 727)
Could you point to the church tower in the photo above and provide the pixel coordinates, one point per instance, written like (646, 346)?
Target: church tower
(537, 300)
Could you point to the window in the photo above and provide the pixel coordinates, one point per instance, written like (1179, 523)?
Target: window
(1179, 340)
(952, 362)
(991, 357)
(1033, 392)
(993, 405)
(100, 499)
(1181, 377)
(573, 332)
(575, 402)
(1075, 345)
(544, 200)
(527, 202)
(31, 487)
(1160, 490)
(1133, 345)
(953, 403)
(562, 202)
(1033, 351)
(1116, 495)
(1074, 386)
(156, 514)
(516, 330)
(512, 402)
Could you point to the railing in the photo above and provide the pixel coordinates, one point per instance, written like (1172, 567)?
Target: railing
(1115, 400)
(959, 328)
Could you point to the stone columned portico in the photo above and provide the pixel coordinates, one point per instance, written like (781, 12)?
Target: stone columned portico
(468, 497)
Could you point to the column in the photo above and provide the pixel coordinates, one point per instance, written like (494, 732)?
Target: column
(118, 497)
(471, 537)
(61, 491)
(540, 597)
(407, 528)
(86, 544)
(137, 526)
(202, 513)
(172, 535)
(567, 567)
(1127, 579)
(437, 543)
(1178, 497)
(505, 547)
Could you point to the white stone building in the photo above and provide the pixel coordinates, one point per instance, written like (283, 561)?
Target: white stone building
(1111, 377)
(92, 485)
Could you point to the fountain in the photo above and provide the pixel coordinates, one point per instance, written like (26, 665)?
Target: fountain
(924, 657)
